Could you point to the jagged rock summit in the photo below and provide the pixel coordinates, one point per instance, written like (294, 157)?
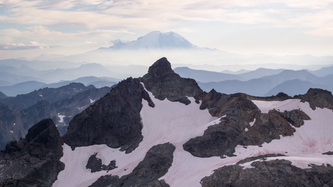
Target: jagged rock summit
(115, 119)
(33, 161)
(163, 130)
(163, 82)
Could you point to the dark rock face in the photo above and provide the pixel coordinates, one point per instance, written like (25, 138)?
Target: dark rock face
(163, 82)
(113, 120)
(33, 161)
(10, 129)
(317, 98)
(221, 139)
(328, 153)
(270, 173)
(155, 164)
(14, 123)
(95, 164)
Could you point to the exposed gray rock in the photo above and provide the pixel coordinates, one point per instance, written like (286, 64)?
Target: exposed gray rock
(35, 160)
(113, 120)
(95, 164)
(270, 173)
(317, 98)
(221, 139)
(155, 165)
(163, 82)
(328, 153)
(14, 122)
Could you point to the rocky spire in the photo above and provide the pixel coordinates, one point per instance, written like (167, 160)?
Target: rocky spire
(163, 82)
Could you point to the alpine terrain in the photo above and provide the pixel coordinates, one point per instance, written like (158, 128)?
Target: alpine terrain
(164, 130)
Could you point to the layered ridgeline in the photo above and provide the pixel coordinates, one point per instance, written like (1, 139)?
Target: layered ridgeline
(19, 113)
(163, 130)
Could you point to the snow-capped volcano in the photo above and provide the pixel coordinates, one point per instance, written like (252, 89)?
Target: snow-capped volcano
(155, 40)
(163, 130)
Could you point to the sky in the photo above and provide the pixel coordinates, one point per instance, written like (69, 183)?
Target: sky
(29, 28)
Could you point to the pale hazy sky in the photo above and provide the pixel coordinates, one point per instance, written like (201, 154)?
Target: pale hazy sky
(32, 27)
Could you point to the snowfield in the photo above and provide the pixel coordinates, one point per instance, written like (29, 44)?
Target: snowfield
(176, 123)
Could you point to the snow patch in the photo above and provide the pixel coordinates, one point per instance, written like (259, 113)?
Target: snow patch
(307, 144)
(253, 122)
(92, 101)
(11, 131)
(176, 123)
(14, 124)
(61, 118)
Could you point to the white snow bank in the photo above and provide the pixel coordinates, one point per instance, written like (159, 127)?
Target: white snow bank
(176, 123)
(308, 142)
(61, 118)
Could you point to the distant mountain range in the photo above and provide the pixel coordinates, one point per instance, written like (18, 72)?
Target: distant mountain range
(21, 77)
(19, 113)
(261, 82)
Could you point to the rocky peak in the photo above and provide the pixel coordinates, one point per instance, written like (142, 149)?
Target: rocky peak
(160, 69)
(317, 98)
(41, 139)
(34, 160)
(113, 120)
(46, 135)
(163, 82)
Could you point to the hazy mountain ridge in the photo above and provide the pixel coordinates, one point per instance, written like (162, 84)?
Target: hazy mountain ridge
(3, 96)
(60, 104)
(274, 82)
(206, 139)
(23, 80)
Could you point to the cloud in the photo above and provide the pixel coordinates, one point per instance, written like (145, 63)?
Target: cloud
(23, 46)
(73, 22)
(152, 15)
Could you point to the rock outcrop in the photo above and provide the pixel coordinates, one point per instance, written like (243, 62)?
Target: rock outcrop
(317, 98)
(155, 164)
(270, 173)
(95, 164)
(221, 139)
(33, 161)
(113, 120)
(163, 82)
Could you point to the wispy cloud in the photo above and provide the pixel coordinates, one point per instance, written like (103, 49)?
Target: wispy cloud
(76, 21)
(23, 46)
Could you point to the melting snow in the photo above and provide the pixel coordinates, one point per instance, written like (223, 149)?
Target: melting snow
(61, 118)
(176, 123)
(253, 122)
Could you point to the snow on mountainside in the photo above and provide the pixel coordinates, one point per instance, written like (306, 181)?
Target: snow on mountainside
(163, 130)
(176, 123)
(155, 40)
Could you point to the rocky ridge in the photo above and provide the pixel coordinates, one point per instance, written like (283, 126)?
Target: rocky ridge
(33, 161)
(115, 121)
(60, 104)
